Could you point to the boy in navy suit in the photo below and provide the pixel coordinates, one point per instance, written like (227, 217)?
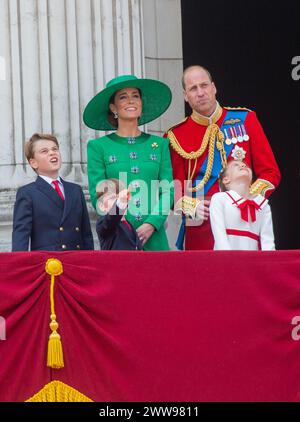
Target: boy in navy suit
(50, 213)
(114, 231)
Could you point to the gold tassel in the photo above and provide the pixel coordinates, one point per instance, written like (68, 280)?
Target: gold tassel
(55, 358)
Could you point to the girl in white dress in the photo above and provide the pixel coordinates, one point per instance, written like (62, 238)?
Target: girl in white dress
(240, 221)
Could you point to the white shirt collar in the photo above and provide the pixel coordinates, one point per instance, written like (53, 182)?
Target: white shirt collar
(50, 180)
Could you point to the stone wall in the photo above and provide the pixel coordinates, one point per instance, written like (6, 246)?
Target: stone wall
(55, 55)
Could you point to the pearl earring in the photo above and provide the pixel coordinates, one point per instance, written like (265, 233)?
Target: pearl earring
(115, 115)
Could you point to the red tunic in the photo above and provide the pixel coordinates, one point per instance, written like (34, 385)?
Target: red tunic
(259, 157)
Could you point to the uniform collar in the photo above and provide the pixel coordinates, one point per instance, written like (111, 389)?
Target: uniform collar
(238, 199)
(206, 121)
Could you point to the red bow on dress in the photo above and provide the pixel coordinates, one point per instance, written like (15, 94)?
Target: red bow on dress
(248, 206)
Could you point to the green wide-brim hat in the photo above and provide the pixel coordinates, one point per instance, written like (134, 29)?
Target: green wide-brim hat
(156, 98)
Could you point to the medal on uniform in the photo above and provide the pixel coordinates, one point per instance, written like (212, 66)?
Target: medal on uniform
(227, 140)
(233, 138)
(239, 132)
(245, 135)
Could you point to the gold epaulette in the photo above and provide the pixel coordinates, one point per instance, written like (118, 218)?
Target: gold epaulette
(261, 186)
(177, 124)
(237, 108)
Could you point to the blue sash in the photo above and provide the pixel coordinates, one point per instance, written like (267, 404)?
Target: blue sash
(235, 115)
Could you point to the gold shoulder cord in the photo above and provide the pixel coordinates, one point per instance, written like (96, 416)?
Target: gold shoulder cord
(212, 132)
(193, 155)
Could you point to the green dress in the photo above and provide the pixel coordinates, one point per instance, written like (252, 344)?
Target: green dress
(144, 164)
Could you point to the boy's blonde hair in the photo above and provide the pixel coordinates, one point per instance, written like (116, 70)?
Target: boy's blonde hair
(29, 146)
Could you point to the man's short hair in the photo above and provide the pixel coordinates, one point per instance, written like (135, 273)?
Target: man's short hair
(29, 145)
(194, 66)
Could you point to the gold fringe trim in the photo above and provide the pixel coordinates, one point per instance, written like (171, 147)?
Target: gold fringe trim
(57, 391)
(55, 357)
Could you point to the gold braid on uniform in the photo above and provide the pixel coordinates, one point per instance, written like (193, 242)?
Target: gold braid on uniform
(211, 133)
(193, 155)
(261, 186)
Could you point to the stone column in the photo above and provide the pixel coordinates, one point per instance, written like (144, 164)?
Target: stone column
(163, 55)
(164, 61)
(54, 56)
(6, 131)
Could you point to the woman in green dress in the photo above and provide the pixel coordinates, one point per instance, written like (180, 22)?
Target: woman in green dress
(141, 161)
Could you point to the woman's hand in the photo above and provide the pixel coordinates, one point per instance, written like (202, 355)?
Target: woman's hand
(144, 232)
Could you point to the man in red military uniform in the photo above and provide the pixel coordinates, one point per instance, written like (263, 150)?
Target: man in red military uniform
(200, 147)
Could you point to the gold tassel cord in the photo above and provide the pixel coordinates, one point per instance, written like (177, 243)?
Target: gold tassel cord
(220, 146)
(55, 358)
(191, 175)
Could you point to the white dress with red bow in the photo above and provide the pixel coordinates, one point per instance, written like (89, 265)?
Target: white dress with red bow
(241, 224)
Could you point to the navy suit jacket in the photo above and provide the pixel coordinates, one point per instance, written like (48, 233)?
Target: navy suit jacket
(42, 218)
(113, 234)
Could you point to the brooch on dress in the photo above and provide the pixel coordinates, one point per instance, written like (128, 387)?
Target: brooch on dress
(112, 158)
(131, 140)
(135, 170)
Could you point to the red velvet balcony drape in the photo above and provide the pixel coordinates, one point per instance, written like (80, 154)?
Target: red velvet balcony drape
(136, 326)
